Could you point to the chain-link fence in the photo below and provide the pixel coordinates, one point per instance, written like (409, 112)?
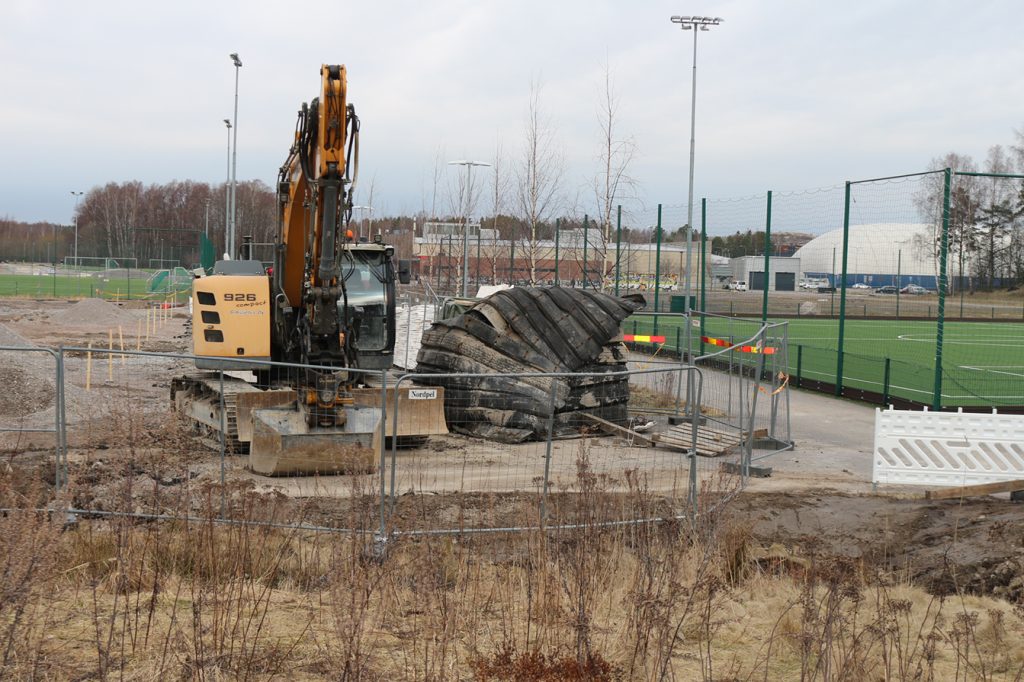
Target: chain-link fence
(116, 431)
(900, 290)
(745, 374)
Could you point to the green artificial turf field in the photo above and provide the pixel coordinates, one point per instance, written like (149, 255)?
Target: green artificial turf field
(70, 286)
(983, 362)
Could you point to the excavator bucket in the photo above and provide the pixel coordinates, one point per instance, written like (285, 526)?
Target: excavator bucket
(420, 412)
(284, 445)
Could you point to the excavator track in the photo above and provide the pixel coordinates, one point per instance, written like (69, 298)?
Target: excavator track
(198, 396)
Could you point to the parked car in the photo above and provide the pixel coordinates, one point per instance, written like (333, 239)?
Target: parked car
(860, 285)
(739, 286)
(913, 289)
(888, 289)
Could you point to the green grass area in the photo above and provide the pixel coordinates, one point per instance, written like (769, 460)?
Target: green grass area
(983, 362)
(71, 286)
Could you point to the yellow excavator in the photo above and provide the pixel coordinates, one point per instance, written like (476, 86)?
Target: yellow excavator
(326, 302)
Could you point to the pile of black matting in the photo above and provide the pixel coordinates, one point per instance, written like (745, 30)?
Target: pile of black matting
(510, 338)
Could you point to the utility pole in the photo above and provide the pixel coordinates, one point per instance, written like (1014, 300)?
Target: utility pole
(77, 196)
(234, 163)
(694, 24)
(227, 194)
(465, 219)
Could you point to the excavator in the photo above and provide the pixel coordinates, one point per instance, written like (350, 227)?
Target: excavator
(298, 349)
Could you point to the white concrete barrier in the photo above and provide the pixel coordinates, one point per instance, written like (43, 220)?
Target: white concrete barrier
(947, 448)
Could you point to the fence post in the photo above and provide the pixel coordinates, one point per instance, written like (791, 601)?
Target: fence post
(941, 322)
(767, 258)
(703, 268)
(618, 247)
(789, 411)
(547, 453)
(60, 428)
(842, 291)
(586, 225)
(885, 384)
(759, 373)
(689, 359)
(799, 365)
(223, 442)
(382, 529)
(557, 233)
(694, 425)
(657, 267)
(773, 377)
(740, 395)
(512, 262)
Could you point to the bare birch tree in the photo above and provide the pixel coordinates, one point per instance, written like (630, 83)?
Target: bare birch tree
(613, 182)
(499, 186)
(538, 177)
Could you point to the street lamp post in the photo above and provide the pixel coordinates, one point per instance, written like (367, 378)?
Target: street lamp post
(227, 192)
(234, 163)
(694, 24)
(465, 220)
(77, 196)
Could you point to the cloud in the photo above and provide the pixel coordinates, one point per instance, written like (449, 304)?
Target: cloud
(790, 94)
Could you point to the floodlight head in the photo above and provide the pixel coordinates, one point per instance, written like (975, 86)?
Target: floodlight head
(227, 123)
(235, 59)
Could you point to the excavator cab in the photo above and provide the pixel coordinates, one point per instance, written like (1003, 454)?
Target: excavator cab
(369, 303)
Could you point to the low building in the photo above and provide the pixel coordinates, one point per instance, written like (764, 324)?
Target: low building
(750, 269)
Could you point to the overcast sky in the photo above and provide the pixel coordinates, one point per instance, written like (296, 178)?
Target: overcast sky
(791, 95)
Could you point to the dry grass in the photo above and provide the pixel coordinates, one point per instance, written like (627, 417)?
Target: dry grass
(128, 599)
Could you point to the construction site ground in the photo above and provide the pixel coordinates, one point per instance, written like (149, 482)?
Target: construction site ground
(818, 499)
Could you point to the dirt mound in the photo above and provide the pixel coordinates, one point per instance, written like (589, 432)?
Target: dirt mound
(23, 393)
(9, 337)
(94, 311)
(27, 378)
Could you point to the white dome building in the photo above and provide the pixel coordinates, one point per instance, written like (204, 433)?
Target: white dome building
(878, 254)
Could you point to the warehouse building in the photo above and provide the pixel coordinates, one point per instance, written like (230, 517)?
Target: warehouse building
(750, 269)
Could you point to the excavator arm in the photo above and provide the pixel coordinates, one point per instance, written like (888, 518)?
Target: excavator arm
(315, 189)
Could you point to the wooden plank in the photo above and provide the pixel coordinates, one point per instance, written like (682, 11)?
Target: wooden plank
(622, 430)
(971, 490)
(705, 440)
(701, 450)
(682, 431)
(705, 435)
(704, 446)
